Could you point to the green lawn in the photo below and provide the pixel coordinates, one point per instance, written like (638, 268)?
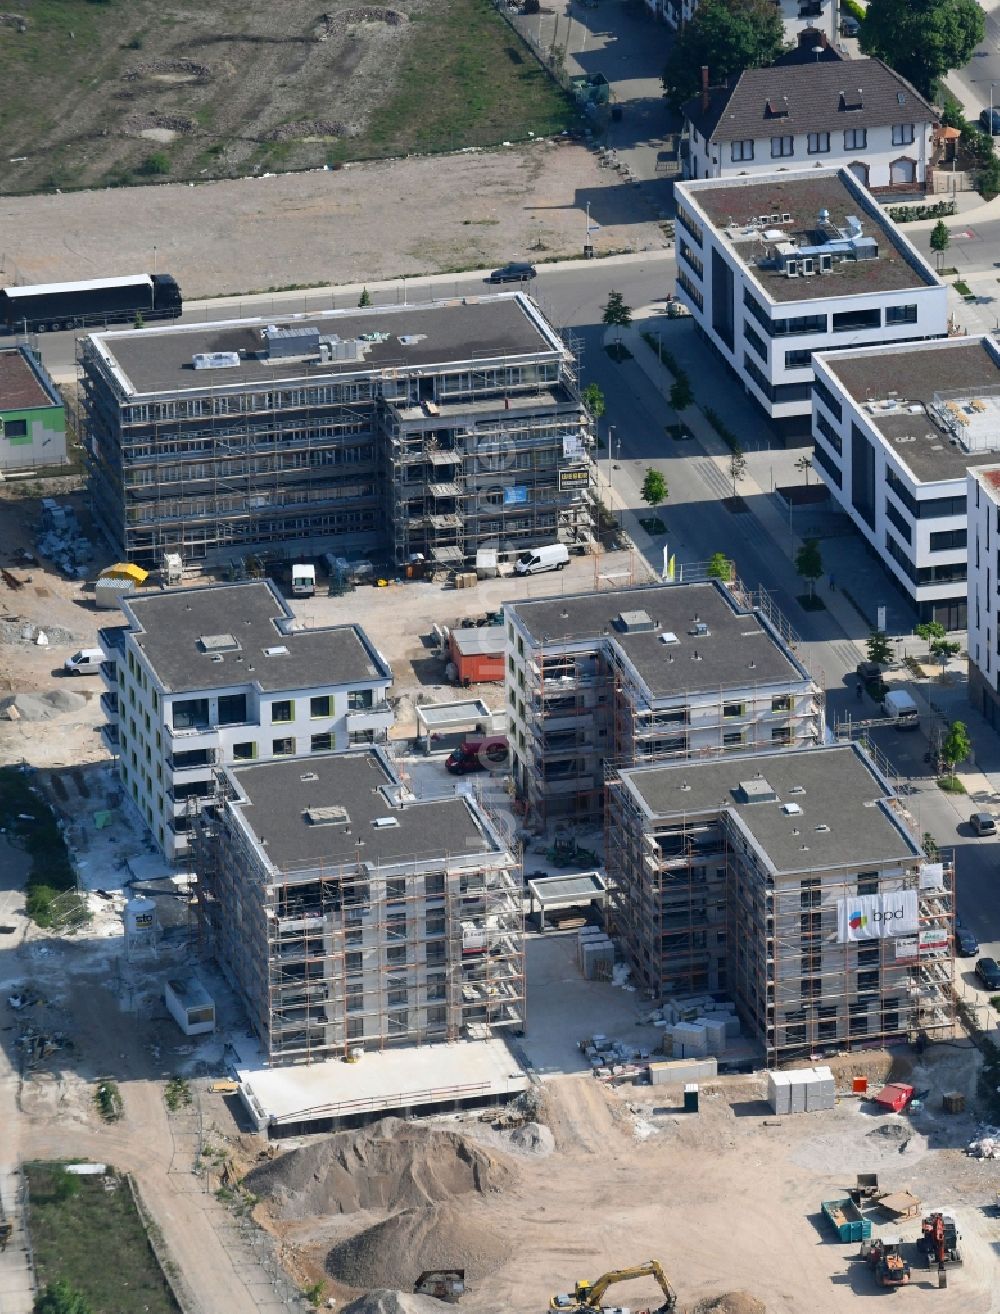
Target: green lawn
(467, 80)
(96, 1241)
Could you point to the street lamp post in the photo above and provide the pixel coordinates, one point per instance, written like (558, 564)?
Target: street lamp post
(618, 456)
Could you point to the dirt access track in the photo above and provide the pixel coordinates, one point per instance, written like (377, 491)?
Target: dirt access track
(364, 222)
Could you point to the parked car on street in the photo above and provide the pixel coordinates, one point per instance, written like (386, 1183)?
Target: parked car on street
(983, 823)
(966, 944)
(515, 272)
(989, 121)
(988, 971)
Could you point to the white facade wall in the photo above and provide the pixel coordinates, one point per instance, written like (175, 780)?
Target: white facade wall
(894, 530)
(984, 560)
(796, 15)
(761, 359)
(880, 163)
(149, 740)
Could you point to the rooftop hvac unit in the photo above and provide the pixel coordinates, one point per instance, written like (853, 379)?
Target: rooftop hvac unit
(215, 360)
(297, 341)
(791, 269)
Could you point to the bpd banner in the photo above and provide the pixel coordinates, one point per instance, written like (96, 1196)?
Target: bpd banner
(877, 916)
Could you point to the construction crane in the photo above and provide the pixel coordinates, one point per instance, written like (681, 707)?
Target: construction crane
(587, 1296)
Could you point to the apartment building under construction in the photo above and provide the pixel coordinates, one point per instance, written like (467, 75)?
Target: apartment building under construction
(406, 432)
(645, 674)
(791, 883)
(349, 915)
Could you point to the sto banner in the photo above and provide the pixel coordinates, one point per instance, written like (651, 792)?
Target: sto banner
(877, 916)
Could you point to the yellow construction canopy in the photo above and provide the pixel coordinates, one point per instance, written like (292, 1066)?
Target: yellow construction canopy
(125, 570)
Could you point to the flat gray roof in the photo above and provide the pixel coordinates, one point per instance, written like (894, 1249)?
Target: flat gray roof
(173, 625)
(21, 383)
(738, 650)
(280, 794)
(734, 206)
(158, 360)
(486, 640)
(834, 787)
(581, 887)
(888, 382)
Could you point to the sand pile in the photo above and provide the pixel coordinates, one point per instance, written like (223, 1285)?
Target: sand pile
(393, 1253)
(390, 1165)
(732, 1302)
(42, 707)
(393, 1302)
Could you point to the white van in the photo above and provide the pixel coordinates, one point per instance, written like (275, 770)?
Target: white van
(904, 712)
(553, 556)
(303, 580)
(85, 662)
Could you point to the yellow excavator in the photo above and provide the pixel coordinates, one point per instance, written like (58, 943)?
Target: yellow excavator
(587, 1296)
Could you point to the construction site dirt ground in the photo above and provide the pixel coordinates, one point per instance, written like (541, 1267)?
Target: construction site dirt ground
(368, 221)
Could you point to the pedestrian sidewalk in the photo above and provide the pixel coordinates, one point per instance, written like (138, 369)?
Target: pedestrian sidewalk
(846, 557)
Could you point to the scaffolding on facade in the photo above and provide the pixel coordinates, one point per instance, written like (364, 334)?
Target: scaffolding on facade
(698, 915)
(332, 956)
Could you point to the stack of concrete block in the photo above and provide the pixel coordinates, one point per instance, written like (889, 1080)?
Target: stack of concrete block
(821, 1093)
(715, 1031)
(682, 1071)
(779, 1092)
(803, 1090)
(596, 956)
(690, 1040)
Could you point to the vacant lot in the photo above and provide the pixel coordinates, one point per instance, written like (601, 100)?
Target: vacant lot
(77, 1224)
(117, 91)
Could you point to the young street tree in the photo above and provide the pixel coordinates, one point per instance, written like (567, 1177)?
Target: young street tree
(720, 567)
(943, 648)
(364, 299)
(593, 399)
(929, 631)
(923, 39)
(878, 647)
(654, 488)
(737, 467)
(809, 563)
(616, 313)
(727, 36)
(804, 465)
(955, 747)
(940, 239)
(681, 393)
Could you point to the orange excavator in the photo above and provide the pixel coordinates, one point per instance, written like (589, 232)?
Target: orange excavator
(939, 1239)
(886, 1262)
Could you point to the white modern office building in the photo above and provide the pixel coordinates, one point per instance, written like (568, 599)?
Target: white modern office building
(855, 114)
(777, 268)
(796, 15)
(204, 677)
(895, 430)
(646, 674)
(983, 641)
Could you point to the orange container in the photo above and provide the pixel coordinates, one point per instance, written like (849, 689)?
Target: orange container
(860, 1085)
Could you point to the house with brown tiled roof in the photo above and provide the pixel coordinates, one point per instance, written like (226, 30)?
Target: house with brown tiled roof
(857, 114)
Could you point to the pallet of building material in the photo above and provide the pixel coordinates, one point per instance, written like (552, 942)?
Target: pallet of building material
(679, 1072)
(779, 1092)
(901, 1204)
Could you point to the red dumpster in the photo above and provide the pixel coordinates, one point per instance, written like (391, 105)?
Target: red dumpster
(894, 1097)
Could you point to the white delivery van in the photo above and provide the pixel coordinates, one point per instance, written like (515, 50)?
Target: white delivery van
(303, 581)
(900, 707)
(553, 556)
(85, 662)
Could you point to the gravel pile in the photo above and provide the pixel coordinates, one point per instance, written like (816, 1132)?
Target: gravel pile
(393, 1253)
(732, 1302)
(26, 632)
(390, 1165)
(533, 1138)
(42, 707)
(393, 1302)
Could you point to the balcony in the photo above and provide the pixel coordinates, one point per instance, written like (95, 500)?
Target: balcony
(109, 705)
(109, 673)
(109, 733)
(197, 759)
(379, 716)
(112, 638)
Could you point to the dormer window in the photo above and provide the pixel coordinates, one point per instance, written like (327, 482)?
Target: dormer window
(852, 100)
(776, 108)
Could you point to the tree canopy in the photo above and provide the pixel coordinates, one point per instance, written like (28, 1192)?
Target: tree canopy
(60, 1298)
(654, 488)
(727, 36)
(923, 39)
(809, 563)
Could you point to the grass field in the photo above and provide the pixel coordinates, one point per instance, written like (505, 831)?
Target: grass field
(114, 92)
(77, 1227)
